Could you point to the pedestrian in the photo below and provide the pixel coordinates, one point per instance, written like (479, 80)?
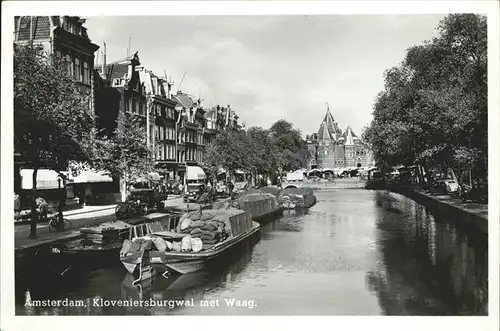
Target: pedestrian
(42, 208)
(17, 205)
(181, 189)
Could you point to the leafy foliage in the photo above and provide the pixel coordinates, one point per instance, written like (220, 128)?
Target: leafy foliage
(124, 154)
(291, 148)
(229, 150)
(52, 119)
(258, 150)
(433, 109)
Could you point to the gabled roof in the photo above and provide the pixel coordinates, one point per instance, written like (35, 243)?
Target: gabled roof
(120, 70)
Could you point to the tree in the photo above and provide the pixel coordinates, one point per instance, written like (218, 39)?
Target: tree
(263, 155)
(230, 150)
(292, 152)
(52, 119)
(433, 110)
(124, 153)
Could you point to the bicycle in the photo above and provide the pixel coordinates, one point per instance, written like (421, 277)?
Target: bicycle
(59, 224)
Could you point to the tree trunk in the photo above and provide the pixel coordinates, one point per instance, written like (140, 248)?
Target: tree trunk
(62, 195)
(123, 189)
(34, 214)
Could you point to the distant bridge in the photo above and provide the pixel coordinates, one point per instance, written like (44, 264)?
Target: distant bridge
(337, 184)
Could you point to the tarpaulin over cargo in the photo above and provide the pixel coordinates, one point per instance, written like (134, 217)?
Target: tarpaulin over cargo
(195, 173)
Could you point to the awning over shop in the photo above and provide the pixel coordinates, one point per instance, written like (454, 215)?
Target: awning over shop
(90, 176)
(195, 173)
(45, 179)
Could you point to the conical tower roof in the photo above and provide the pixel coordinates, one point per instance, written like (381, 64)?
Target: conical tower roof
(349, 136)
(324, 133)
(328, 129)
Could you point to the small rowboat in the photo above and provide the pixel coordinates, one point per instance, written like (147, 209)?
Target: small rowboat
(183, 262)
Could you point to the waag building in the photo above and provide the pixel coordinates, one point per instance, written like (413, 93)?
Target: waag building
(334, 148)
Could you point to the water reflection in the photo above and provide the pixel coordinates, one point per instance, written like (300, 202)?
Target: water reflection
(429, 267)
(355, 252)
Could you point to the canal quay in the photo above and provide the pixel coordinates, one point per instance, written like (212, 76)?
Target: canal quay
(355, 252)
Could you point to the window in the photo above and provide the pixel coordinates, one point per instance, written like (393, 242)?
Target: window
(69, 64)
(157, 132)
(134, 105)
(86, 77)
(158, 151)
(78, 70)
(24, 23)
(142, 104)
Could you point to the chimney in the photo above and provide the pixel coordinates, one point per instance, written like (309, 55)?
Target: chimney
(104, 62)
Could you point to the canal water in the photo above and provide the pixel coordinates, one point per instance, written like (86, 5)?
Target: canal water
(356, 252)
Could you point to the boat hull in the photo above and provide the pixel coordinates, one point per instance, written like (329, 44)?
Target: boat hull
(267, 217)
(184, 263)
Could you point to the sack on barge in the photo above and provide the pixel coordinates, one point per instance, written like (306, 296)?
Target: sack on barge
(196, 244)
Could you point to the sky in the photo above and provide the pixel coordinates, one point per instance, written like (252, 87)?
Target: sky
(271, 67)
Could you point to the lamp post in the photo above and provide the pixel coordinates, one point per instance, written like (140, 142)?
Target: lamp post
(179, 109)
(60, 207)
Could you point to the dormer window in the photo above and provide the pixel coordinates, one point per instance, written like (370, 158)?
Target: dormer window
(24, 23)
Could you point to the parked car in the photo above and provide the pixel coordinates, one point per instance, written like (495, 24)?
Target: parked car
(193, 192)
(446, 186)
(476, 193)
(377, 181)
(140, 202)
